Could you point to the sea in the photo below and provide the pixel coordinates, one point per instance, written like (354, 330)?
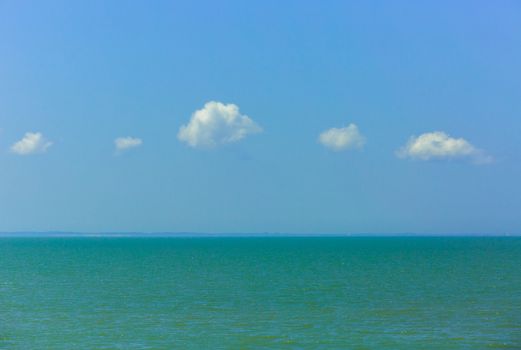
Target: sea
(260, 293)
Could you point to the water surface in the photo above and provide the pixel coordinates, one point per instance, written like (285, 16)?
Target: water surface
(260, 293)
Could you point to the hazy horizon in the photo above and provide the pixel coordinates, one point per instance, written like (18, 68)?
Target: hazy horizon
(242, 234)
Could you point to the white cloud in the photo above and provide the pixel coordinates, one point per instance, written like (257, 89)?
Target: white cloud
(439, 145)
(339, 139)
(125, 143)
(216, 124)
(31, 143)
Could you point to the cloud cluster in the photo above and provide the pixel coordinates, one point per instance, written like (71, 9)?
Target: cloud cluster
(339, 139)
(31, 143)
(439, 145)
(217, 124)
(125, 143)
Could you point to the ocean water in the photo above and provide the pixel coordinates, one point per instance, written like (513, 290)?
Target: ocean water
(260, 293)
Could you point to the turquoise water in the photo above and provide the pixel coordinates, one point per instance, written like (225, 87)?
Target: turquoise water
(260, 293)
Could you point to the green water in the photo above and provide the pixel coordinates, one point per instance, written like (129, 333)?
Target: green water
(260, 293)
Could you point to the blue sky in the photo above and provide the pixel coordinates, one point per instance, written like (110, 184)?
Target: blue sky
(328, 117)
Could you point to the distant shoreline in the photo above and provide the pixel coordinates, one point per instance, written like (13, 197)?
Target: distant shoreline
(242, 235)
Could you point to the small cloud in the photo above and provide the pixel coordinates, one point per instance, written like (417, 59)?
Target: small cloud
(31, 143)
(439, 145)
(339, 139)
(125, 143)
(217, 124)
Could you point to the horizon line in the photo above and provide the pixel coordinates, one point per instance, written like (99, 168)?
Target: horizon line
(65, 234)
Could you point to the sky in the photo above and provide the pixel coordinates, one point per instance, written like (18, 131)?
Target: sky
(260, 116)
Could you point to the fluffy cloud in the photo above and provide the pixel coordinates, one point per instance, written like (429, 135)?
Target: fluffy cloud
(216, 124)
(124, 143)
(31, 143)
(439, 145)
(339, 139)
